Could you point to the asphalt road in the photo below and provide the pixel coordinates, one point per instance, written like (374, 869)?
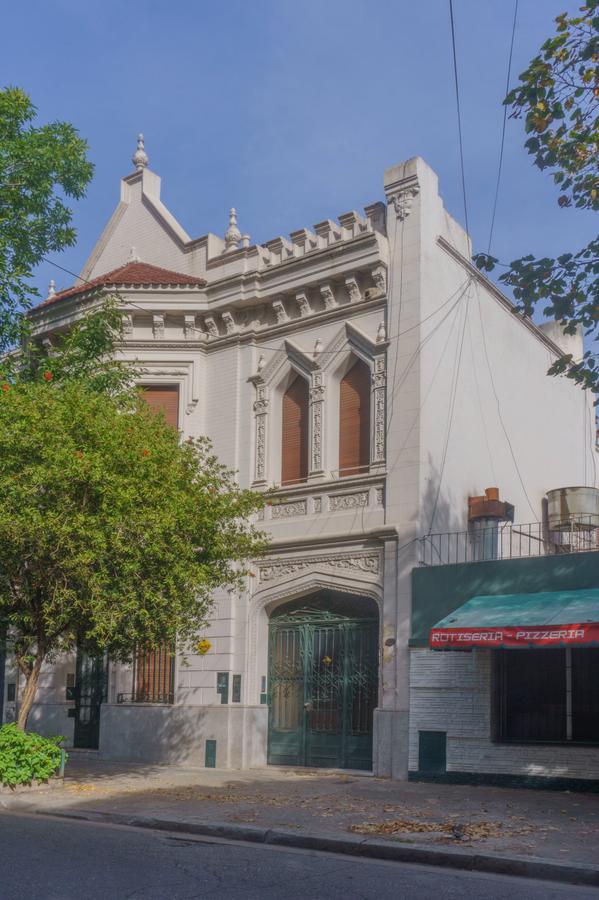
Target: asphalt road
(62, 860)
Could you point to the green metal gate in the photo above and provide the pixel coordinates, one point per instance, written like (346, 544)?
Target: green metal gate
(90, 693)
(322, 688)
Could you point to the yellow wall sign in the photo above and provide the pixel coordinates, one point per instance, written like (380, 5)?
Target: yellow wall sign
(203, 646)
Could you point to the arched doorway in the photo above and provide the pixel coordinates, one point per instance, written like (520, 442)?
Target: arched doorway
(323, 682)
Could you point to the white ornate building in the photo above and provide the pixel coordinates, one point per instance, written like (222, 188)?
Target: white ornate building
(344, 366)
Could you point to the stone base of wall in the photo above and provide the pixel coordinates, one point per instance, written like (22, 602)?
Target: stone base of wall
(177, 735)
(390, 743)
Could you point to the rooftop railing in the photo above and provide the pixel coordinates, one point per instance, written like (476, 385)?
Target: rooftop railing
(505, 540)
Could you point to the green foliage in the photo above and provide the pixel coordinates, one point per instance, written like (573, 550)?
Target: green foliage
(85, 353)
(27, 757)
(558, 97)
(112, 533)
(39, 167)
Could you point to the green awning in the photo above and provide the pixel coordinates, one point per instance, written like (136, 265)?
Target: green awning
(545, 619)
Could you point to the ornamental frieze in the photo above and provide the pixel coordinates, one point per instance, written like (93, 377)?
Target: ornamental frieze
(365, 562)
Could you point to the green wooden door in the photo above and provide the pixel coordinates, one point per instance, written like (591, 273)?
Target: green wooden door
(323, 676)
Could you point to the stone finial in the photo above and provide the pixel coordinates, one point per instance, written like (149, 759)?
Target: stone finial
(381, 334)
(133, 255)
(140, 157)
(261, 362)
(245, 241)
(51, 288)
(317, 348)
(232, 234)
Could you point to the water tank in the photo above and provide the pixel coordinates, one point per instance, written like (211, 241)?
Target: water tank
(573, 507)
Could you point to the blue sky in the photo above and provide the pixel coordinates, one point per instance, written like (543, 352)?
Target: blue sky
(289, 111)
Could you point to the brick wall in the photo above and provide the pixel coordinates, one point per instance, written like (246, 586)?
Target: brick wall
(452, 692)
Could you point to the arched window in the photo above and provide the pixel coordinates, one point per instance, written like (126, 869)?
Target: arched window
(294, 443)
(354, 420)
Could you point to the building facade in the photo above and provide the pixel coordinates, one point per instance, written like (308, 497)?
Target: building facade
(368, 377)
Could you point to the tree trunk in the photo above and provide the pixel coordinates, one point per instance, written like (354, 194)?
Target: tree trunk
(29, 693)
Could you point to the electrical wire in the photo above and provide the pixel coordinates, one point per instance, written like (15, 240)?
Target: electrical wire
(454, 391)
(255, 343)
(440, 358)
(507, 87)
(457, 97)
(499, 414)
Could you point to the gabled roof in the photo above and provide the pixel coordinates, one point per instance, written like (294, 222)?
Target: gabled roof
(133, 273)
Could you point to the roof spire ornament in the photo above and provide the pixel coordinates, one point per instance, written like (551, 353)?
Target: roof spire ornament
(232, 234)
(140, 157)
(51, 288)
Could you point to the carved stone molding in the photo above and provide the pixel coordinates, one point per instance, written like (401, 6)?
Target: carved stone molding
(379, 388)
(289, 509)
(379, 276)
(353, 289)
(211, 326)
(303, 304)
(402, 201)
(348, 501)
(317, 394)
(229, 323)
(328, 297)
(260, 412)
(280, 312)
(367, 562)
(158, 326)
(189, 327)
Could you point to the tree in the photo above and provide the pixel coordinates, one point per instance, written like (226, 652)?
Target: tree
(112, 533)
(86, 353)
(558, 96)
(39, 167)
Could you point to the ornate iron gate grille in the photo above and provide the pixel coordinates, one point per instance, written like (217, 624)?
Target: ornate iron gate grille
(90, 692)
(323, 676)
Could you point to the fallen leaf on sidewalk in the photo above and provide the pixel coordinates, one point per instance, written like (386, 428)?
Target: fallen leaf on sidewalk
(470, 831)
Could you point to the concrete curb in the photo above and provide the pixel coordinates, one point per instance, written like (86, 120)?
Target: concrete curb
(475, 861)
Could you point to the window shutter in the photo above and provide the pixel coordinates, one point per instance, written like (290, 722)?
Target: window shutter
(296, 407)
(354, 420)
(165, 399)
(153, 678)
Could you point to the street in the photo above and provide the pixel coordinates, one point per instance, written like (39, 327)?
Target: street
(62, 860)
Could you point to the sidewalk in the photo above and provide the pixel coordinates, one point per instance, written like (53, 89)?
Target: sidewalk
(349, 812)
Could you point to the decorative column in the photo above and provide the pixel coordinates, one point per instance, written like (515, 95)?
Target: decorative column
(379, 389)
(260, 413)
(317, 392)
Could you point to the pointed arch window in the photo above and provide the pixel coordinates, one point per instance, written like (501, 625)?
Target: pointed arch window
(354, 420)
(295, 432)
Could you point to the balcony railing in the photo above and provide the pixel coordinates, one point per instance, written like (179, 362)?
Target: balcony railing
(504, 540)
(149, 697)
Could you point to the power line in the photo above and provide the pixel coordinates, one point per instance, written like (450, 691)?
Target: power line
(454, 392)
(507, 87)
(258, 344)
(441, 356)
(499, 414)
(457, 97)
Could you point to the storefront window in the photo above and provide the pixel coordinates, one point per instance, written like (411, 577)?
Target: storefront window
(547, 695)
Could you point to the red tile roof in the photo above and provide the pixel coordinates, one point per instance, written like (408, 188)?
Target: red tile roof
(136, 273)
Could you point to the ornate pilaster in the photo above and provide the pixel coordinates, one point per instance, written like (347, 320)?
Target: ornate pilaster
(317, 392)
(379, 390)
(260, 413)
